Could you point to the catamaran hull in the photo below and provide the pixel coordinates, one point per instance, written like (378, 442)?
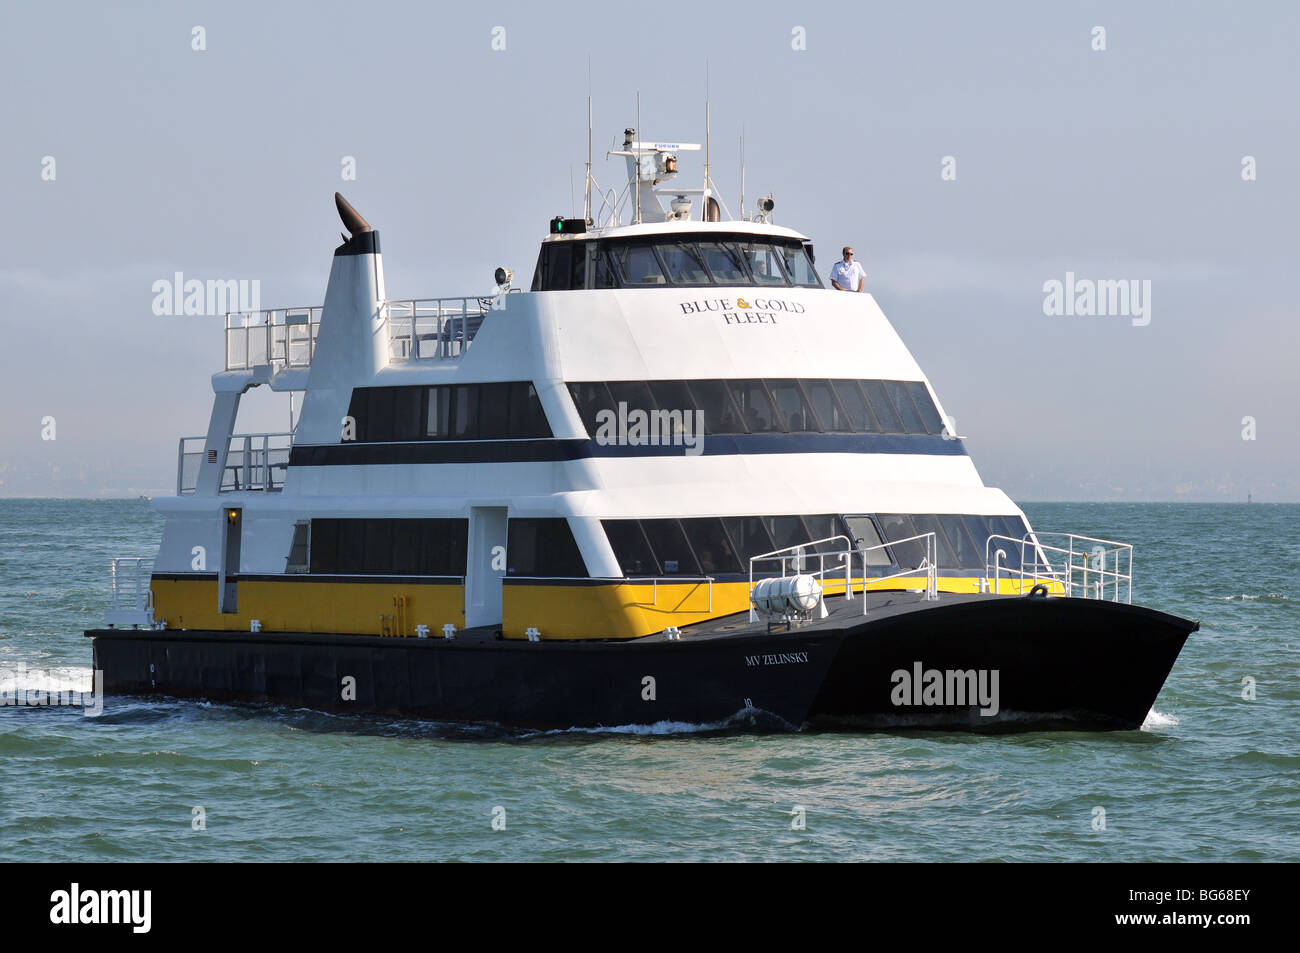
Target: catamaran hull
(1058, 662)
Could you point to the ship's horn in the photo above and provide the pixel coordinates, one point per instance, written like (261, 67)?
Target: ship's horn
(352, 219)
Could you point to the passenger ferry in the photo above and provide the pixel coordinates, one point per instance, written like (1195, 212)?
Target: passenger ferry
(677, 479)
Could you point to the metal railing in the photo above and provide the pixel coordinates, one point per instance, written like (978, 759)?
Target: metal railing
(130, 598)
(436, 328)
(655, 580)
(929, 566)
(796, 558)
(1085, 567)
(284, 337)
(253, 462)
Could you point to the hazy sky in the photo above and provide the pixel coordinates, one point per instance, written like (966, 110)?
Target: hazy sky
(1123, 163)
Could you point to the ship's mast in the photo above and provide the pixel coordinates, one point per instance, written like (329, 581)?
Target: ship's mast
(586, 206)
(637, 154)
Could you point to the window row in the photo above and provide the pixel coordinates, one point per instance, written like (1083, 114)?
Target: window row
(713, 260)
(389, 547)
(719, 545)
(493, 411)
(768, 406)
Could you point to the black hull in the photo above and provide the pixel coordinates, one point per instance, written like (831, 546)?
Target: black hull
(1061, 663)
(1083, 664)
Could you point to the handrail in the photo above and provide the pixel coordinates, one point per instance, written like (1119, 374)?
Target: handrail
(130, 592)
(844, 556)
(655, 580)
(253, 462)
(436, 328)
(929, 563)
(284, 337)
(1107, 564)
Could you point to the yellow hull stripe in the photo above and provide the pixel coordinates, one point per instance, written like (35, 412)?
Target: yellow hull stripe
(363, 608)
(615, 610)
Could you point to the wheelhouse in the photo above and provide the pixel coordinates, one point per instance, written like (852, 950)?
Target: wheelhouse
(677, 259)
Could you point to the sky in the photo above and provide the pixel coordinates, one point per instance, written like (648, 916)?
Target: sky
(1128, 162)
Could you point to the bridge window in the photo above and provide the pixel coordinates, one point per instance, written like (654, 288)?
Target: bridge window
(684, 263)
(798, 265)
(764, 263)
(724, 263)
(637, 265)
(677, 261)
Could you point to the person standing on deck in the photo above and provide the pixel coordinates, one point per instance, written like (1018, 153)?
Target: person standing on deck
(847, 274)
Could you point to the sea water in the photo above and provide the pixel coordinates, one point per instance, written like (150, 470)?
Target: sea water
(1214, 774)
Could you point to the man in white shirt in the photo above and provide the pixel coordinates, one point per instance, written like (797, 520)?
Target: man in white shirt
(847, 275)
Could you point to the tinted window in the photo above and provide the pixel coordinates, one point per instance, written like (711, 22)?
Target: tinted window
(830, 413)
(437, 419)
(464, 412)
(557, 266)
(379, 546)
(750, 538)
(683, 264)
(865, 535)
(929, 413)
(713, 399)
(796, 413)
(494, 411)
(408, 411)
(636, 394)
(543, 547)
(378, 420)
(635, 558)
(762, 259)
(637, 265)
(882, 407)
(1014, 527)
(352, 546)
(772, 406)
(859, 411)
(670, 547)
(724, 263)
(675, 398)
(590, 399)
(906, 407)
(605, 276)
(712, 547)
(969, 554)
(756, 407)
(447, 546)
(930, 524)
(899, 526)
(798, 265)
(324, 545)
(786, 531)
(527, 419)
(824, 526)
(422, 547)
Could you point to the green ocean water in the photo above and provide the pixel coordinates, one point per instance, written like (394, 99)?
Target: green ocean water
(1210, 777)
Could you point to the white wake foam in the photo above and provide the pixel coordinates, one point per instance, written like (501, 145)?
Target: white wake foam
(1157, 719)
